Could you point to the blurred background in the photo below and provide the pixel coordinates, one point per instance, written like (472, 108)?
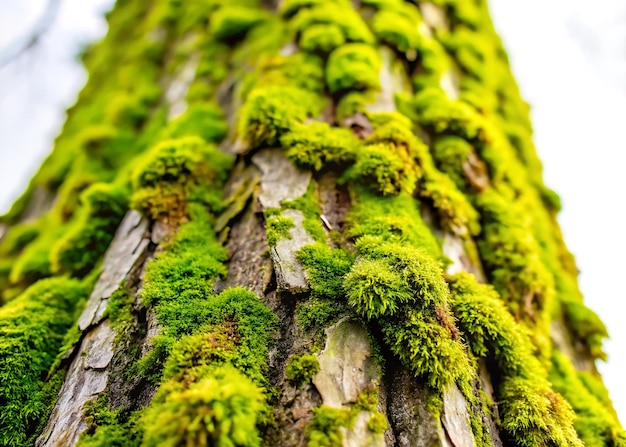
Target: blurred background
(569, 58)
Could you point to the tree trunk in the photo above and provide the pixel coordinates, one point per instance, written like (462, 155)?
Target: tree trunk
(313, 223)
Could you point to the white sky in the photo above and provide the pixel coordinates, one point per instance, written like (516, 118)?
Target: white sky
(569, 58)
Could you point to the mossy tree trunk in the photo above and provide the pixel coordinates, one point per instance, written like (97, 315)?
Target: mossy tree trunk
(310, 223)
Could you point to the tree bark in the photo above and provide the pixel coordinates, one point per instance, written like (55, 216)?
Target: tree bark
(314, 223)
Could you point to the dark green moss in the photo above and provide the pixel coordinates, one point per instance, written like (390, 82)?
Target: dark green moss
(32, 328)
(318, 313)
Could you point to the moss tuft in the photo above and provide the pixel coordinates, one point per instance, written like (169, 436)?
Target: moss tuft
(302, 368)
(176, 172)
(353, 66)
(32, 328)
(270, 112)
(83, 244)
(232, 22)
(219, 409)
(326, 268)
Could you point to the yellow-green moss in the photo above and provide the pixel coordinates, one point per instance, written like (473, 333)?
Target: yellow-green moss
(231, 22)
(272, 111)
(531, 412)
(353, 66)
(176, 172)
(302, 368)
(86, 240)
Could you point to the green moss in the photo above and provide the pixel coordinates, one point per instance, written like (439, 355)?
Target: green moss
(326, 268)
(338, 13)
(456, 214)
(394, 218)
(18, 237)
(399, 28)
(377, 423)
(353, 67)
(32, 328)
(595, 423)
(176, 172)
(231, 22)
(86, 240)
(277, 227)
(302, 368)
(375, 289)
(318, 313)
(586, 326)
(321, 38)
(34, 261)
(531, 412)
(309, 205)
(449, 154)
(380, 166)
(318, 145)
(324, 429)
(404, 290)
(441, 116)
(220, 409)
(204, 120)
(512, 257)
(270, 112)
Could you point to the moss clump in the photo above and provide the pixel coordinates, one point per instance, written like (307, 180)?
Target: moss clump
(32, 327)
(318, 145)
(277, 226)
(353, 66)
(403, 289)
(326, 268)
(270, 112)
(393, 219)
(176, 172)
(232, 22)
(399, 28)
(321, 38)
(325, 428)
(338, 13)
(80, 248)
(302, 368)
(531, 412)
(219, 409)
(379, 165)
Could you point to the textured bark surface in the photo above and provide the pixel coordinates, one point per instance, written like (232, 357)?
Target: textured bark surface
(362, 172)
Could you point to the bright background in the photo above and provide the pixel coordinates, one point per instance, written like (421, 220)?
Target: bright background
(569, 57)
